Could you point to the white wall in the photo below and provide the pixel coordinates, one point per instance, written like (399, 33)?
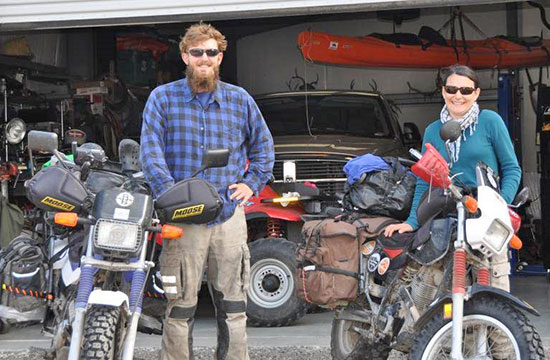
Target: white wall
(48, 14)
(266, 61)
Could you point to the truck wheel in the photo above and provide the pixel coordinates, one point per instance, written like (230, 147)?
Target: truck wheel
(271, 297)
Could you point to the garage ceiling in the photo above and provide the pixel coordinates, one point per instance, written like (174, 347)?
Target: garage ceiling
(16, 15)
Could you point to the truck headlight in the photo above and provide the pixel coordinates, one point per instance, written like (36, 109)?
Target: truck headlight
(496, 235)
(15, 131)
(117, 235)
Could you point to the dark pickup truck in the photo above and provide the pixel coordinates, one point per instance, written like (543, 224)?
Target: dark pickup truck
(320, 130)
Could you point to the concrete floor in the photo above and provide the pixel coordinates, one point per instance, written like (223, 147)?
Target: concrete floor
(536, 291)
(311, 330)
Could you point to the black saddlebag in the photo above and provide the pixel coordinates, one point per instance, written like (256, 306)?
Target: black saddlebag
(191, 201)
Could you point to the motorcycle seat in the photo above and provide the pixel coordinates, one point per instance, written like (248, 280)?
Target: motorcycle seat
(396, 241)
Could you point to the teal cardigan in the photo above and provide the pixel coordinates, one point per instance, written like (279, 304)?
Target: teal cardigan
(490, 143)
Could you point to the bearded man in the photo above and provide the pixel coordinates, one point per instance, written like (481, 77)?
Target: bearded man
(181, 121)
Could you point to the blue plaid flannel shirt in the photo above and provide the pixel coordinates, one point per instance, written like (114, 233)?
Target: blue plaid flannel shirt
(177, 130)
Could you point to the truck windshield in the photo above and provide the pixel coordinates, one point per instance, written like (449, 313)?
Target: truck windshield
(350, 115)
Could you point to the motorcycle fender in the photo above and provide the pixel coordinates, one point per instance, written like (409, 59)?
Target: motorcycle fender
(69, 275)
(108, 298)
(477, 290)
(473, 291)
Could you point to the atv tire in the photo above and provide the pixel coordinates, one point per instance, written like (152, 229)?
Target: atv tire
(272, 299)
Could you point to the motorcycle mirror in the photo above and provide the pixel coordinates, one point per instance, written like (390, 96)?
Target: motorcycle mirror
(450, 131)
(215, 158)
(42, 141)
(521, 198)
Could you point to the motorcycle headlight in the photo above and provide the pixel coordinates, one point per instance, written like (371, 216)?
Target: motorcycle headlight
(496, 235)
(15, 131)
(117, 236)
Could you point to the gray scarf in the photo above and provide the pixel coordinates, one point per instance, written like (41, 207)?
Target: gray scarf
(468, 121)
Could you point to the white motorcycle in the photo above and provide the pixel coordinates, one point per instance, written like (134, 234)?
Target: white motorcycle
(428, 293)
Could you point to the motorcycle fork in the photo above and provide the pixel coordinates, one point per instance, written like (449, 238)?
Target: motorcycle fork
(85, 288)
(459, 285)
(136, 303)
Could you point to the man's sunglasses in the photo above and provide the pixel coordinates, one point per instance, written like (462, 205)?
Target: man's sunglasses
(200, 52)
(465, 90)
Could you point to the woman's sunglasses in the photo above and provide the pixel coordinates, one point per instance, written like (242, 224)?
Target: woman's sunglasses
(465, 90)
(200, 52)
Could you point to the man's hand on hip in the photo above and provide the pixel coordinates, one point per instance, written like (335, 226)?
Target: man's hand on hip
(242, 193)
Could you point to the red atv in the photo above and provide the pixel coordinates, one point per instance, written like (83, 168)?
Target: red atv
(274, 221)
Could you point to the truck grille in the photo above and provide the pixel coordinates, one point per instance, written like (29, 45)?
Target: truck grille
(328, 175)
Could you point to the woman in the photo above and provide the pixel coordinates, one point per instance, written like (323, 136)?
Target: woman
(484, 138)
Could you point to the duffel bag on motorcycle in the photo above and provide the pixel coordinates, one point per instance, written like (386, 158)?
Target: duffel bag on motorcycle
(191, 201)
(328, 262)
(382, 192)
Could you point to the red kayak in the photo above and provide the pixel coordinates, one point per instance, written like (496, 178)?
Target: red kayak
(387, 51)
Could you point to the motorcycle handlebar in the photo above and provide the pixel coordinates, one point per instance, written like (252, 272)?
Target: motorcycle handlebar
(406, 162)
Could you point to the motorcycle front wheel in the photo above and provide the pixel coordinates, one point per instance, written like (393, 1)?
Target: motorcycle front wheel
(103, 333)
(492, 329)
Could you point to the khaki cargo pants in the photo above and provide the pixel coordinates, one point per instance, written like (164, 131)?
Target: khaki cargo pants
(223, 248)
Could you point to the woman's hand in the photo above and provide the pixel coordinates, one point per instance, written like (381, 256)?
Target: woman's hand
(401, 228)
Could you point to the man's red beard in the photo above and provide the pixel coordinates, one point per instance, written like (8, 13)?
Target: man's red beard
(202, 83)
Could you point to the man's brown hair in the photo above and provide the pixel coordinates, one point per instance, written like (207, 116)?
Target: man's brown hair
(201, 32)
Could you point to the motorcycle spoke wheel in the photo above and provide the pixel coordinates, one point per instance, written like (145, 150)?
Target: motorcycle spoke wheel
(495, 342)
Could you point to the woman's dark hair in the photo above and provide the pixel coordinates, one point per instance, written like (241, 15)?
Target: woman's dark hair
(461, 70)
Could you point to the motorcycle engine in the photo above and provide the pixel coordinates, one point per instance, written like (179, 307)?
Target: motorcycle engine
(425, 284)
